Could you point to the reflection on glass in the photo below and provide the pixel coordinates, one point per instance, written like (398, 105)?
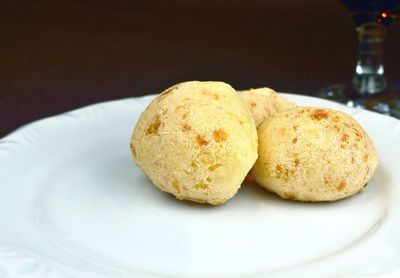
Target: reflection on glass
(369, 88)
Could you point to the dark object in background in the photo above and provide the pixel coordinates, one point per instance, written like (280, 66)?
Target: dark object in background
(390, 6)
(60, 55)
(369, 88)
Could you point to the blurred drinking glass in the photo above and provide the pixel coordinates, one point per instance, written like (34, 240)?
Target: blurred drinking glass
(369, 89)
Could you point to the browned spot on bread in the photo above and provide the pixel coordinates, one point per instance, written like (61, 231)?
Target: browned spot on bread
(206, 158)
(294, 140)
(345, 138)
(193, 165)
(341, 186)
(166, 92)
(216, 96)
(342, 146)
(176, 186)
(318, 114)
(295, 127)
(336, 119)
(201, 140)
(220, 135)
(201, 186)
(133, 150)
(205, 92)
(241, 122)
(185, 115)
(353, 160)
(186, 98)
(212, 168)
(335, 127)
(282, 173)
(296, 162)
(209, 179)
(290, 196)
(286, 115)
(365, 157)
(154, 126)
(253, 105)
(179, 107)
(278, 169)
(186, 127)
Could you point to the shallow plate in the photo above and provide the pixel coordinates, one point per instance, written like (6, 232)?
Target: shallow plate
(73, 204)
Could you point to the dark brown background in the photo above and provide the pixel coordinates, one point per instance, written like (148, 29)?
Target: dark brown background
(59, 55)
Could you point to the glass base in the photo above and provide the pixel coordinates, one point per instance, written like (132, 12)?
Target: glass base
(387, 102)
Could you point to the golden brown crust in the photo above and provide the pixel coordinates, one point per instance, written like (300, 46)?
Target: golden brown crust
(313, 154)
(197, 141)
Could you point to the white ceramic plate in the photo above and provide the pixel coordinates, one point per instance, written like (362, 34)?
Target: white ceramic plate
(73, 204)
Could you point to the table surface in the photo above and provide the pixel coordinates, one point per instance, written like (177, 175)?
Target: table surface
(60, 55)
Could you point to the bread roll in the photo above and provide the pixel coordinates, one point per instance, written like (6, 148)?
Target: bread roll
(197, 141)
(313, 154)
(263, 103)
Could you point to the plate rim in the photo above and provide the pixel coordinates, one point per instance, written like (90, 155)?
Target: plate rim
(25, 128)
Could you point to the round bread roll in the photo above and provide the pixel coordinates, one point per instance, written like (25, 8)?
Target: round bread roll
(263, 103)
(197, 141)
(313, 154)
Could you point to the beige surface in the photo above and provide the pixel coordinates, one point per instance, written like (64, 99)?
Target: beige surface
(197, 141)
(263, 103)
(313, 154)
